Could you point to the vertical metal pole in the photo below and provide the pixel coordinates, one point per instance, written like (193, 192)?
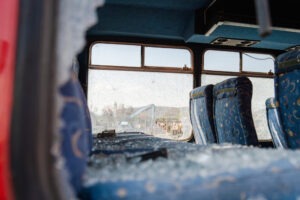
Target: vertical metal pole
(142, 56)
(263, 17)
(241, 62)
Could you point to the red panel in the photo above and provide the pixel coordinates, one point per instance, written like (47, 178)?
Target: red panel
(8, 27)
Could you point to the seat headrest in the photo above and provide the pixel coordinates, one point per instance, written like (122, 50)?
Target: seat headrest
(231, 87)
(202, 91)
(287, 62)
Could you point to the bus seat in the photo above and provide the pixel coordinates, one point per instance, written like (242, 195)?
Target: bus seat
(75, 144)
(201, 114)
(87, 116)
(232, 112)
(275, 177)
(274, 123)
(287, 93)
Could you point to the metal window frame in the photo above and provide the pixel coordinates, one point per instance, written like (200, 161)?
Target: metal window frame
(143, 67)
(241, 71)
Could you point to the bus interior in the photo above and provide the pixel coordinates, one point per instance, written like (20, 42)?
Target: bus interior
(145, 99)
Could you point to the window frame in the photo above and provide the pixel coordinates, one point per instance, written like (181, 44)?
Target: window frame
(241, 72)
(143, 67)
(110, 43)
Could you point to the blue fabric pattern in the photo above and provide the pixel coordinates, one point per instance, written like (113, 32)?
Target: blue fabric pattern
(287, 62)
(232, 111)
(201, 114)
(87, 116)
(274, 123)
(75, 139)
(275, 181)
(287, 93)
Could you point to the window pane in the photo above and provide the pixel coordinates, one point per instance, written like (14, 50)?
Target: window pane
(139, 103)
(221, 61)
(253, 62)
(116, 55)
(167, 57)
(213, 79)
(260, 94)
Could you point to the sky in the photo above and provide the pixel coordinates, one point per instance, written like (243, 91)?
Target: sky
(130, 55)
(138, 88)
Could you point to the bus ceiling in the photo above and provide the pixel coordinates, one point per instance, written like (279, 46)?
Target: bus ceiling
(202, 21)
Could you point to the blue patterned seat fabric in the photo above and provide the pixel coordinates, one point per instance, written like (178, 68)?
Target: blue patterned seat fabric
(232, 111)
(191, 172)
(76, 131)
(87, 116)
(201, 114)
(245, 184)
(274, 124)
(287, 93)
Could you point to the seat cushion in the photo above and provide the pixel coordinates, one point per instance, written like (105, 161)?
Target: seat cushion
(189, 171)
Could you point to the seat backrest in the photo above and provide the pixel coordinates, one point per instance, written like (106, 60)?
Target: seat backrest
(76, 131)
(232, 112)
(201, 114)
(287, 93)
(82, 96)
(274, 123)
